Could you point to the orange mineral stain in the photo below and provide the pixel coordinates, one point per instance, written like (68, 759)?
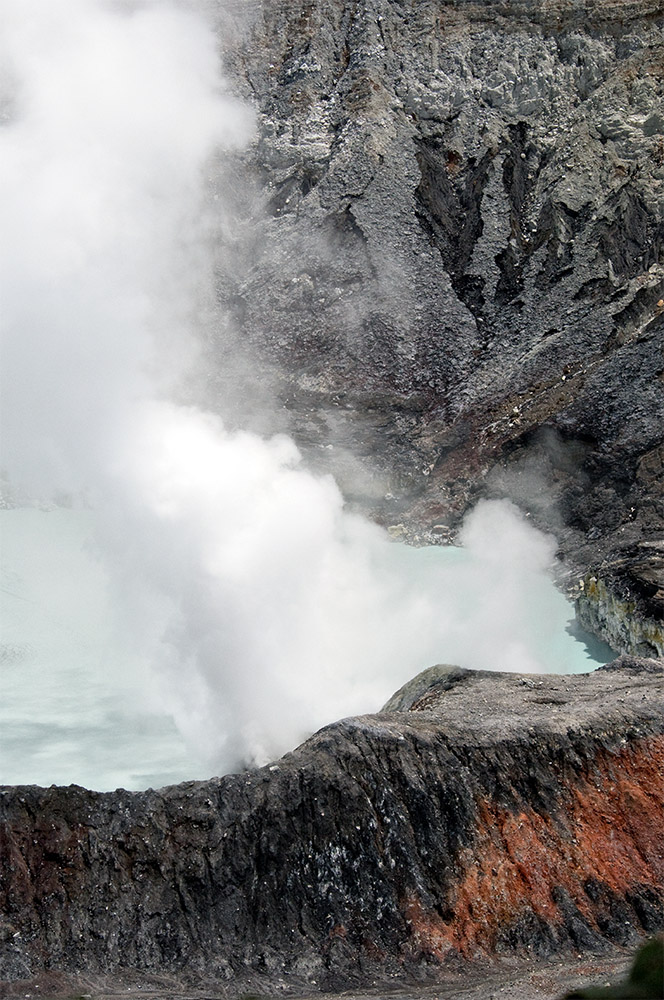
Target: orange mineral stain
(607, 829)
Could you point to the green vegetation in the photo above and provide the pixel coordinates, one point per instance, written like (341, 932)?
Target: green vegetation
(645, 981)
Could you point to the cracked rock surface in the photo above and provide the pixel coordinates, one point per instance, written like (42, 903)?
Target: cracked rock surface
(446, 259)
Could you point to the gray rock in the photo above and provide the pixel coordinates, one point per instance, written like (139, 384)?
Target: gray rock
(446, 257)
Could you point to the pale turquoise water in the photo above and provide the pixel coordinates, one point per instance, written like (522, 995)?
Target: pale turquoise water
(73, 703)
(545, 616)
(77, 704)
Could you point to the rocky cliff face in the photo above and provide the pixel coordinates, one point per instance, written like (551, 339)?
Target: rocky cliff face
(627, 607)
(481, 813)
(446, 257)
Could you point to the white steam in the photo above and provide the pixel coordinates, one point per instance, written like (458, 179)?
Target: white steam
(260, 607)
(113, 118)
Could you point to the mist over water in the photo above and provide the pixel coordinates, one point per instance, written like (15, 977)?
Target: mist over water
(241, 600)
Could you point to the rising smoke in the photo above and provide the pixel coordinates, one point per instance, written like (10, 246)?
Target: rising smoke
(261, 608)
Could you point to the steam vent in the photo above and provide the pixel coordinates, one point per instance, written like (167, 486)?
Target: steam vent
(433, 240)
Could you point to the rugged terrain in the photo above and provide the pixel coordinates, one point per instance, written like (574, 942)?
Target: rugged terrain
(480, 814)
(442, 259)
(440, 267)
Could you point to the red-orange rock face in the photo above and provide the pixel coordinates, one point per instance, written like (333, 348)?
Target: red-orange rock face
(606, 843)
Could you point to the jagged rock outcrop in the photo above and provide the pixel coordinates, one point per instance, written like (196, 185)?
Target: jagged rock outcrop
(483, 814)
(626, 604)
(446, 256)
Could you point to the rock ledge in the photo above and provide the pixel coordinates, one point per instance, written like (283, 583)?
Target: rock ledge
(486, 814)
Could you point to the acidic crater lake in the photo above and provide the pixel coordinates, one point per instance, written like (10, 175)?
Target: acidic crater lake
(74, 705)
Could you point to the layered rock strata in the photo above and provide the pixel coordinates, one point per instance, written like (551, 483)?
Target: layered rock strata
(443, 255)
(482, 814)
(625, 604)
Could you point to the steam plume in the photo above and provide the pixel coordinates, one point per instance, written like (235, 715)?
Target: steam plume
(262, 609)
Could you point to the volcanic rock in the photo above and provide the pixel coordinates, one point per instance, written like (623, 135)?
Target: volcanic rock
(481, 814)
(443, 257)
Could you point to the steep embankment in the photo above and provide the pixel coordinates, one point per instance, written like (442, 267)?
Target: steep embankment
(484, 813)
(447, 261)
